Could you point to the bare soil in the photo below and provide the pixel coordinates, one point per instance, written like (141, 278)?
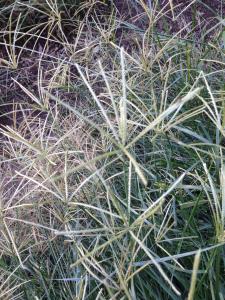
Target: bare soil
(196, 20)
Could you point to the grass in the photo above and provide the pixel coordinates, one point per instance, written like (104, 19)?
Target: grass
(112, 162)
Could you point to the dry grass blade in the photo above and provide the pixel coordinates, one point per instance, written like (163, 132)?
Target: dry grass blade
(98, 102)
(165, 114)
(223, 194)
(194, 276)
(123, 102)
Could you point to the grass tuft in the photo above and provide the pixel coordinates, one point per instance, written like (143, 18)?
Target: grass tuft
(112, 150)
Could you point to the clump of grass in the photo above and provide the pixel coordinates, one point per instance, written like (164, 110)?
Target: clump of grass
(113, 165)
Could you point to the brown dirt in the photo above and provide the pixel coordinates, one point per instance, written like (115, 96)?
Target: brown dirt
(201, 17)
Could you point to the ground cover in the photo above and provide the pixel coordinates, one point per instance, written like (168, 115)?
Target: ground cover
(112, 149)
